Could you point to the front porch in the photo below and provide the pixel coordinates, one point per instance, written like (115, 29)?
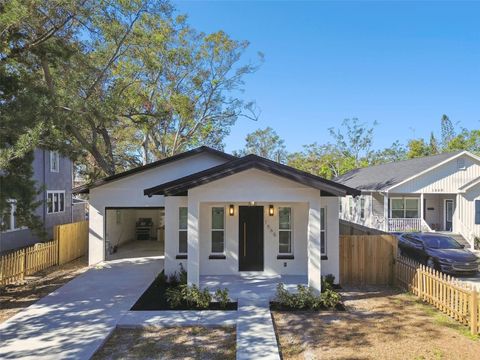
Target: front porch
(420, 212)
(252, 286)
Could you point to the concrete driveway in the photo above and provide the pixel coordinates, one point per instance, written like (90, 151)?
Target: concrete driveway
(73, 321)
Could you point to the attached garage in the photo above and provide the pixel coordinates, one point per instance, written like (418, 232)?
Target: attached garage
(123, 222)
(132, 232)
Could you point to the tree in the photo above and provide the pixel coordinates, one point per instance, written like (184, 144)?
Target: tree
(354, 139)
(433, 145)
(417, 148)
(114, 83)
(265, 143)
(447, 130)
(396, 152)
(321, 160)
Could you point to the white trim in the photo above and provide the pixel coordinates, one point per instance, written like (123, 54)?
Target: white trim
(323, 230)
(404, 198)
(285, 230)
(53, 207)
(434, 167)
(52, 155)
(212, 230)
(465, 187)
(445, 213)
(13, 208)
(182, 230)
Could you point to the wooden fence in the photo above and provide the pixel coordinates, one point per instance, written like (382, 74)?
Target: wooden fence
(367, 259)
(458, 300)
(70, 242)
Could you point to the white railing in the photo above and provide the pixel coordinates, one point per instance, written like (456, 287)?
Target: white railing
(405, 225)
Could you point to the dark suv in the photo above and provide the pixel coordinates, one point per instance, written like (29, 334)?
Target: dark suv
(437, 251)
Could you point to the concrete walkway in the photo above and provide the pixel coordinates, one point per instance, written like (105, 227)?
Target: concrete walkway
(73, 321)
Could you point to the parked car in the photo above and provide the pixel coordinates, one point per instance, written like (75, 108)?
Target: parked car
(439, 252)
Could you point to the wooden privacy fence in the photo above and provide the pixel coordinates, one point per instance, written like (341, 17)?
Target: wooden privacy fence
(70, 242)
(367, 259)
(456, 299)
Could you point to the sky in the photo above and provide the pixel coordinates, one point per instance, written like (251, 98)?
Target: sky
(402, 64)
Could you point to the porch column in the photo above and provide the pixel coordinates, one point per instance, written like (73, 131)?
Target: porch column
(314, 255)
(193, 262)
(422, 209)
(385, 211)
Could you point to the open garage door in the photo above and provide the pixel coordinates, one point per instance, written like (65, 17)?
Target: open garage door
(132, 232)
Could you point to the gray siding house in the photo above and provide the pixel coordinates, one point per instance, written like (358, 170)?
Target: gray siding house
(435, 193)
(54, 173)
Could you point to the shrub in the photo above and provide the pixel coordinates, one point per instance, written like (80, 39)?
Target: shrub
(306, 299)
(177, 278)
(221, 296)
(327, 282)
(476, 243)
(188, 296)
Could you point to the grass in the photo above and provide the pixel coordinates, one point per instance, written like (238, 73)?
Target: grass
(442, 319)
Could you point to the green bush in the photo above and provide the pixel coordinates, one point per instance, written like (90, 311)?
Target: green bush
(177, 278)
(188, 296)
(306, 299)
(221, 296)
(327, 282)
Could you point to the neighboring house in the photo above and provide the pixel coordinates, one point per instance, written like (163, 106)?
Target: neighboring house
(434, 193)
(222, 215)
(53, 174)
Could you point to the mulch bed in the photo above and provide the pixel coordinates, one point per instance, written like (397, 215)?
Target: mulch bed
(154, 298)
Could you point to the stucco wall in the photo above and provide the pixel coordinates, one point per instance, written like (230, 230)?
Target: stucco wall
(128, 192)
(264, 189)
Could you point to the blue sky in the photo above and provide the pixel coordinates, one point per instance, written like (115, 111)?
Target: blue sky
(402, 64)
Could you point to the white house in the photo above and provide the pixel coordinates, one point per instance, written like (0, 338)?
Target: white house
(434, 193)
(220, 215)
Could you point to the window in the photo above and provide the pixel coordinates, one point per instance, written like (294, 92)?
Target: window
(55, 201)
(9, 218)
(323, 231)
(477, 212)
(54, 161)
(218, 230)
(404, 208)
(182, 230)
(350, 206)
(362, 208)
(285, 230)
(118, 217)
(340, 209)
(461, 164)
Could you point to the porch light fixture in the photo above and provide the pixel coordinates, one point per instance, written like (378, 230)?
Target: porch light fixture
(252, 203)
(231, 210)
(271, 211)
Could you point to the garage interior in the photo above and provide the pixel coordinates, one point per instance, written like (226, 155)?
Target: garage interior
(134, 232)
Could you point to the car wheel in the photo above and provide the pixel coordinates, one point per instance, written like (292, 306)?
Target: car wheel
(431, 263)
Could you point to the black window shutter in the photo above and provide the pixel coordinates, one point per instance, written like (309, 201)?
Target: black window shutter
(477, 212)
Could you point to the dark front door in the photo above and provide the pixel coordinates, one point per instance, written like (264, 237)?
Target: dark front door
(448, 214)
(250, 244)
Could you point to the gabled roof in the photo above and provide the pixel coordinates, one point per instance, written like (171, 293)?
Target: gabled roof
(84, 189)
(385, 176)
(181, 185)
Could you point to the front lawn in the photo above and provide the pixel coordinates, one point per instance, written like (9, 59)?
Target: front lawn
(193, 342)
(378, 324)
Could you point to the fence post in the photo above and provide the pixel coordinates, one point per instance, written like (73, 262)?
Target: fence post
(474, 311)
